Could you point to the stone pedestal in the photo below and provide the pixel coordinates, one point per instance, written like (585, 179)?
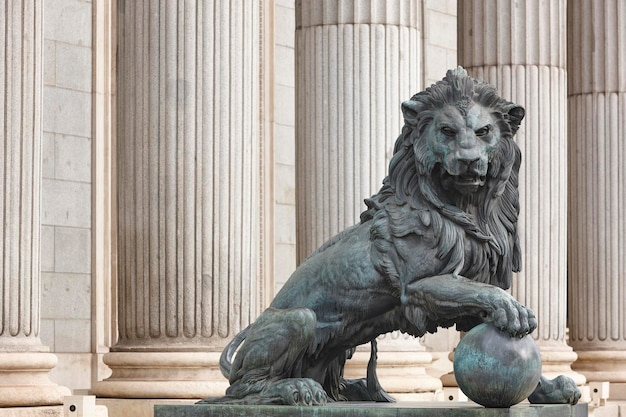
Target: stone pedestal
(520, 48)
(597, 226)
(401, 409)
(190, 185)
(24, 362)
(355, 64)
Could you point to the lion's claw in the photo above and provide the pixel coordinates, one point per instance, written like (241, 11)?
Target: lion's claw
(509, 315)
(294, 391)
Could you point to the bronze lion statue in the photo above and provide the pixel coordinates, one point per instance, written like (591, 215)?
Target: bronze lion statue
(436, 246)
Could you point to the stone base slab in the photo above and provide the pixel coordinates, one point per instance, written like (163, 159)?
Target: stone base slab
(123, 407)
(24, 380)
(162, 375)
(48, 411)
(417, 409)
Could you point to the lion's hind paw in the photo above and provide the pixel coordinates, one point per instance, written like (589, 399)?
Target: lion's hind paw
(560, 390)
(294, 391)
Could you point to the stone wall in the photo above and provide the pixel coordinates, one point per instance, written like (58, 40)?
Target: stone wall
(284, 142)
(66, 308)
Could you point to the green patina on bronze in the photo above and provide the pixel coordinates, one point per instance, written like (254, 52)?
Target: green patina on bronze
(435, 248)
(494, 369)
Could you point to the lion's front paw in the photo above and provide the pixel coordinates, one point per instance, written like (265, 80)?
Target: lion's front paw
(507, 314)
(560, 390)
(294, 391)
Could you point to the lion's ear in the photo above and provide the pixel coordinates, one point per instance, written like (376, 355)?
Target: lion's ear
(410, 109)
(515, 114)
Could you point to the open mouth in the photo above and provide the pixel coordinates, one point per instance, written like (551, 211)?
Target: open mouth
(469, 180)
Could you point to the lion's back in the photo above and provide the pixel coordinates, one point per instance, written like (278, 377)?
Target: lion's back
(331, 278)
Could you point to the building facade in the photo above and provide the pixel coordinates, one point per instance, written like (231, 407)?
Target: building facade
(166, 165)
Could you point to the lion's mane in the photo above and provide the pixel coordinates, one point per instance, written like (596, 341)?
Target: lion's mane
(410, 200)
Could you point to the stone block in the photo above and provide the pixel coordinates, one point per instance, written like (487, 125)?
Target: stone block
(285, 221)
(73, 67)
(123, 407)
(47, 249)
(290, 4)
(285, 25)
(284, 144)
(65, 296)
(42, 411)
(443, 6)
(286, 95)
(46, 333)
(73, 158)
(73, 370)
(72, 250)
(285, 186)
(284, 263)
(49, 66)
(285, 67)
(47, 155)
(401, 409)
(441, 29)
(67, 111)
(68, 21)
(65, 203)
(72, 336)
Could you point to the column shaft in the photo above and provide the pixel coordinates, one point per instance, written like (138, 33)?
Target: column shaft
(355, 63)
(189, 146)
(597, 133)
(24, 361)
(520, 48)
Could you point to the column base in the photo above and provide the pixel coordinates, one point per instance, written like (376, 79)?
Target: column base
(557, 360)
(604, 365)
(24, 380)
(402, 374)
(164, 375)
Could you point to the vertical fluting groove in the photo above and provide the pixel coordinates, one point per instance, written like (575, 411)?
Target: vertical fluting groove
(536, 59)
(226, 216)
(188, 251)
(5, 129)
(531, 33)
(189, 170)
(348, 119)
(20, 153)
(153, 129)
(596, 103)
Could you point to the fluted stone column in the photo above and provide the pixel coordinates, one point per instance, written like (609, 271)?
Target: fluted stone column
(24, 361)
(190, 182)
(356, 62)
(597, 226)
(520, 47)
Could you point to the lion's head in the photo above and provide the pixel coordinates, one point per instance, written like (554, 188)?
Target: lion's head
(456, 157)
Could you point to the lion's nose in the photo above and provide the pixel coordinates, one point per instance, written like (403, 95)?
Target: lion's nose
(470, 165)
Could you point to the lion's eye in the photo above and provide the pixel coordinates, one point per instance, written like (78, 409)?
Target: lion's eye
(448, 131)
(482, 131)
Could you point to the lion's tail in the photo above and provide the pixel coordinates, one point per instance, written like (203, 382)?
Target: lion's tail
(226, 359)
